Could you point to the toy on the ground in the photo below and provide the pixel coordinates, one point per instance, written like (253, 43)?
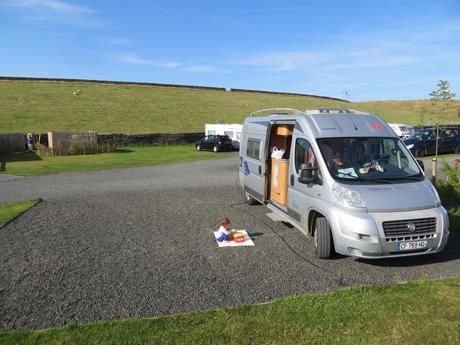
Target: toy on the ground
(238, 237)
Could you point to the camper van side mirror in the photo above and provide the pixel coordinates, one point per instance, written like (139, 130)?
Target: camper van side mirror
(306, 174)
(422, 165)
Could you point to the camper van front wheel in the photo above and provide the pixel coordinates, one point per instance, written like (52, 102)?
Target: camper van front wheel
(323, 238)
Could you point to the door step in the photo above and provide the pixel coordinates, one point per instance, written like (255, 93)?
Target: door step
(274, 217)
(279, 216)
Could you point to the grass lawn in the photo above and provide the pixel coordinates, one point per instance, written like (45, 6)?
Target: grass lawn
(10, 211)
(424, 312)
(34, 106)
(29, 164)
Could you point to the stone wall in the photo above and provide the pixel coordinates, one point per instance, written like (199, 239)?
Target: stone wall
(151, 138)
(12, 142)
(60, 142)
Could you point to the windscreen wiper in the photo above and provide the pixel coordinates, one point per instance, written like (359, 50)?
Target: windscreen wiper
(412, 178)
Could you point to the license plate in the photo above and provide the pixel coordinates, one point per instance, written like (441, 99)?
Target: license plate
(411, 245)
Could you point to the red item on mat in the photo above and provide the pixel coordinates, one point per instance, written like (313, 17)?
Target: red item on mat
(238, 239)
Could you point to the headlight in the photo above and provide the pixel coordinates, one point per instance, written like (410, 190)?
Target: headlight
(348, 197)
(410, 146)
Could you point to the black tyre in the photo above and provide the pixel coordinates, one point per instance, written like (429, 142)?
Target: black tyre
(198, 147)
(249, 199)
(457, 149)
(419, 152)
(323, 238)
(215, 149)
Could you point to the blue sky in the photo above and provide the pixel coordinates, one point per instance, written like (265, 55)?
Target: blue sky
(375, 49)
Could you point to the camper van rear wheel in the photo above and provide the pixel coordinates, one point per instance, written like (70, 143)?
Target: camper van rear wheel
(323, 238)
(215, 149)
(249, 199)
(198, 147)
(419, 152)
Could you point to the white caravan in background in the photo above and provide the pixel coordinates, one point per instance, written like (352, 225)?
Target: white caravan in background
(403, 131)
(233, 131)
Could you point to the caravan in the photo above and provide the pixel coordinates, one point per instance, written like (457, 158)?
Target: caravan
(233, 131)
(343, 177)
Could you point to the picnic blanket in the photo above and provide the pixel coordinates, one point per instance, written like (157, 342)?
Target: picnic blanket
(247, 240)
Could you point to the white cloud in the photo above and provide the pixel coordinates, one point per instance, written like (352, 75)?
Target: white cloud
(133, 59)
(280, 9)
(53, 5)
(200, 68)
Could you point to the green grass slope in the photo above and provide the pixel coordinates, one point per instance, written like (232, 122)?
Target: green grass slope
(41, 106)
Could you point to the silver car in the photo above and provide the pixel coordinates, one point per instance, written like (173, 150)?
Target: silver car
(343, 177)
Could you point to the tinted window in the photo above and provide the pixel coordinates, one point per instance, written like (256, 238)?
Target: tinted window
(211, 132)
(253, 148)
(229, 134)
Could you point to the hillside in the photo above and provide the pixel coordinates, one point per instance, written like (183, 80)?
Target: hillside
(41, 106)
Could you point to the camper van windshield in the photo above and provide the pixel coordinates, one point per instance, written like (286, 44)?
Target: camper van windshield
(369, 159)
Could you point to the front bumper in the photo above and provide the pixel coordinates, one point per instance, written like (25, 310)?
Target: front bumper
(361, 234)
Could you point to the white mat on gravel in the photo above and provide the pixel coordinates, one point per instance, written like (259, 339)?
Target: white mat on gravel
(247, 240)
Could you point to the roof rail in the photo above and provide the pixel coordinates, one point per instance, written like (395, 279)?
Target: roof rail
(278, 111)
(333, 111)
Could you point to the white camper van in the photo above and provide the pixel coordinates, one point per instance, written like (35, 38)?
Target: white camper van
(343, 177)
(233, 131)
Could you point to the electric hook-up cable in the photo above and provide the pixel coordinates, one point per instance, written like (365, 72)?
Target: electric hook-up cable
(340, 280)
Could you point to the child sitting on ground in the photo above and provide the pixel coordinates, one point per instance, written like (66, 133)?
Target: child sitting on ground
(225, 231)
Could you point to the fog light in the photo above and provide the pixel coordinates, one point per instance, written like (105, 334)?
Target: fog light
(355, 251)
(364, 237)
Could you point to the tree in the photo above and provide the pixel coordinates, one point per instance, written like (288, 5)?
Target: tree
(440, 99)
(442, 93)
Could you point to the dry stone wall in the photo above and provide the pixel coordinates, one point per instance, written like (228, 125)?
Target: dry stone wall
(12, 142)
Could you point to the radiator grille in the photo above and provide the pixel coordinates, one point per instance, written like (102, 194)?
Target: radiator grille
(397, 228)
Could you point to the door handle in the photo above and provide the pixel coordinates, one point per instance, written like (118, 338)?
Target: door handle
(292, 180)
(260, 170)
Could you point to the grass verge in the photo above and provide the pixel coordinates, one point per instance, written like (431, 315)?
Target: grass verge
(10, 211)
(29, 164)
(424, 312)
(454, 219)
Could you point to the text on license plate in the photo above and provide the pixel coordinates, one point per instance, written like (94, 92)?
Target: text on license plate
(411, 245)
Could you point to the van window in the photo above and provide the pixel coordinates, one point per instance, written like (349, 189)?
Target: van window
(253, 148)
(211, 132)
(229, 134)
(304, 154)
(367, 159)
(238, 135)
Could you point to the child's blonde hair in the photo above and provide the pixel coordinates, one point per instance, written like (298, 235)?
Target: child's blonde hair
(224, 221)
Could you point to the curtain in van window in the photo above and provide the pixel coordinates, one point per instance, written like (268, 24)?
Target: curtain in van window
(253, 149)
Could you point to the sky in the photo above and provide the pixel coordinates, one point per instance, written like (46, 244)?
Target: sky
(359, 50)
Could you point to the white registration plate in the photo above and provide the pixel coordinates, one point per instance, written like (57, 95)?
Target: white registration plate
(411, 245)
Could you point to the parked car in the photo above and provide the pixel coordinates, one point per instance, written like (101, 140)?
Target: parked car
(346, 179)
(423, 142)
(214, 143)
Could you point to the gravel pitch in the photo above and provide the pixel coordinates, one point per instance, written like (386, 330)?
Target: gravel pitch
(138, 242)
